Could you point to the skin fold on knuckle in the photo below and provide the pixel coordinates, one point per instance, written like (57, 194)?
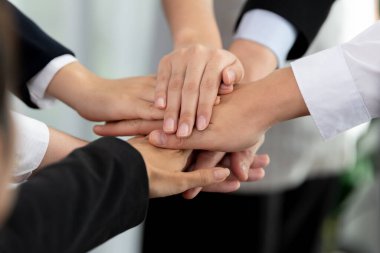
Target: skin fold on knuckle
(176, 82)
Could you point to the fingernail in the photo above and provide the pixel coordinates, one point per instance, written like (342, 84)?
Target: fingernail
(183, 130)
(217, 100)
(169, 125)
(157, 138)
(231, 76)
(221, 174)
(160, 102)
(201, 123)
(244, 168)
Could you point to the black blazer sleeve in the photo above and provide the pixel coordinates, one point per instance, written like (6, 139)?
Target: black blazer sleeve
(307, 16)
(35, 50)
(75, 205)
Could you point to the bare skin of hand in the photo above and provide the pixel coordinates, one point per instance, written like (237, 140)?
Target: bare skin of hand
(100, 99)
(258, 61)
(166, 170)
(243, 116)
(188, 82)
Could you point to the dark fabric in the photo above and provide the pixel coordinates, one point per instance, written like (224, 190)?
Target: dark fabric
(35, 50)
(282, 222)
(75, 205)
(307, 16)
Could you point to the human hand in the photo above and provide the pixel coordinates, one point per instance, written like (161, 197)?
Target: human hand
(235, 161)
(166, 167)
(258, 60)
(188, 82)
(238, 123)
(99, 99)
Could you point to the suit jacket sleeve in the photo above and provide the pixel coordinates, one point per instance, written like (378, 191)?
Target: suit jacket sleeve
(306, 16)
(35, 50)
(75, 205)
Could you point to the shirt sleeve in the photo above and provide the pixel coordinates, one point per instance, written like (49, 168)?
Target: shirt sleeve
(341, 85)
(307, 18)
(268, 29)
(74, 205)
(32, 140)
(35, 49)
(38, 84)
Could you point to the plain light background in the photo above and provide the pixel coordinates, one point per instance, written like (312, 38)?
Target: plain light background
(120, 38)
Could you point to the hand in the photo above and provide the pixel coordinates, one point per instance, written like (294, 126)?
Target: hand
(255, 171)
(243, 116)
(258, 60)
(234, 125)
(188, 82)
(166, 167)
(238, 122)
(99, 99)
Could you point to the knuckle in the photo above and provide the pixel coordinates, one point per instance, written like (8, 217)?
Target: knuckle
(197, 49)
(176, 82)
(160, 93)
(182, 51)
(203, 177)
(219, 55)
(190, 87)
(209, 84)
(187, 116)
(162, 79)
(171, 112)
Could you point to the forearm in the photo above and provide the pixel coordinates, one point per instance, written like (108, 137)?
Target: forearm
(192, 22)
(60, 145)
(281, 98)
(72, 84)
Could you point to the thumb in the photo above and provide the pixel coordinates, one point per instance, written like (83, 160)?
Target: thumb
(233, 74)
(197, 140)
(202, 178)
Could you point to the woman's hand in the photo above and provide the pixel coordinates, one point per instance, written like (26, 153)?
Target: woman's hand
(99, 99)
(166, 167)
(188, 82)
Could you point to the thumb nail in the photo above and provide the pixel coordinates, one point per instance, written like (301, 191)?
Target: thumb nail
(231, 76)
(244, 168)
(158, 138)
(221, 174)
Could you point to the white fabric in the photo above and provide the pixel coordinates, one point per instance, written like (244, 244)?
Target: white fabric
(270, 30)
(39, 83)
(341, 86)
(32, 139)
(297, 151)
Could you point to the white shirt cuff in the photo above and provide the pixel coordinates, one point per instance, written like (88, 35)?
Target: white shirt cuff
(270, 30)
(38, 84)
(32, 140)
(330, 92)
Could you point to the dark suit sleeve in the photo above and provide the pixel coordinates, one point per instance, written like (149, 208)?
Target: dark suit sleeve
(307, 16)
(35, 50)
(75, 205)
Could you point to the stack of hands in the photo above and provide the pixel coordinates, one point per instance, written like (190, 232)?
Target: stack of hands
(195, 116)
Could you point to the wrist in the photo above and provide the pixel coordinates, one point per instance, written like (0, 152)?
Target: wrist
(258, 60)
(188, 37)
(73, 84)
(282, 98)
